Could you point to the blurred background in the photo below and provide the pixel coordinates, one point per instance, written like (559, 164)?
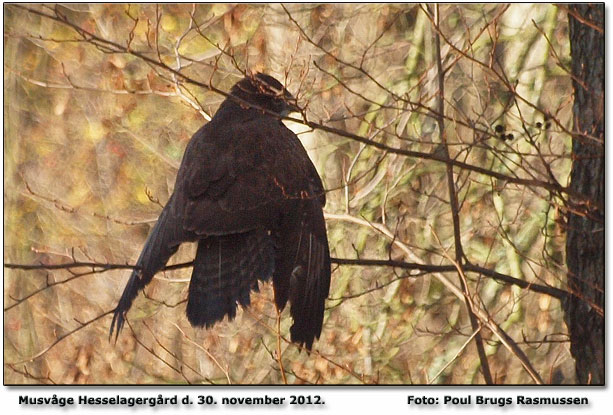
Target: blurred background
(95, 128)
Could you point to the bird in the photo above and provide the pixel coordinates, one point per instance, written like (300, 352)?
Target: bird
(250, 197)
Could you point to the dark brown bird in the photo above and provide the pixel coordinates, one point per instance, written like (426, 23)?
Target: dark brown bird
(248, 193)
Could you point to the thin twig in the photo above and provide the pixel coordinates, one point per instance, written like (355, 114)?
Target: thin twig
(455, 356)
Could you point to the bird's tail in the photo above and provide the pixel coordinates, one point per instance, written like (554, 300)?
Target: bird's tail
(226, 269)
(161, 244)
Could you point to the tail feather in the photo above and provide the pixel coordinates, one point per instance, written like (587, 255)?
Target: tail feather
(226, 269)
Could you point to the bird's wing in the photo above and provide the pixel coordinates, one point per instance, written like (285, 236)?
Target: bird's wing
(302, 268)
(162, 242)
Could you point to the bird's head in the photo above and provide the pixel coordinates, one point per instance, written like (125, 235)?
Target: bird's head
(265, 92)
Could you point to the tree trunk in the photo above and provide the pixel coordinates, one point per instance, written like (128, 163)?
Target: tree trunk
(585, 255)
